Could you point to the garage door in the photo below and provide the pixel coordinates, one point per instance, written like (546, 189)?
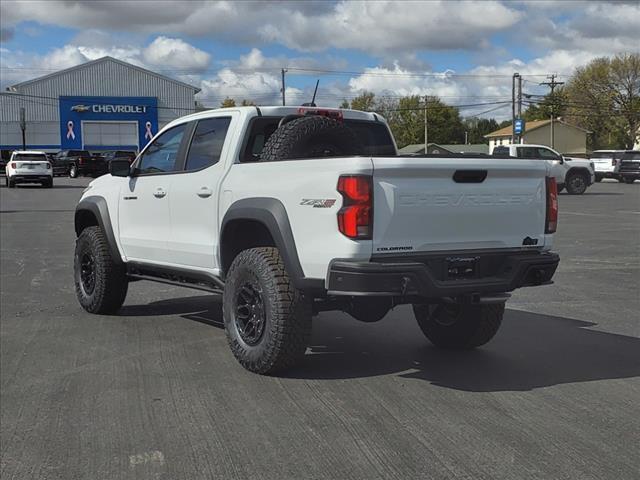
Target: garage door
(111, 135)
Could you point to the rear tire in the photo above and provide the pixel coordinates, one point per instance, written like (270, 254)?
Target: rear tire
(598, 179)
(11, 183)
(628, 180)
(48, 183)
(267, 320)
(576, 183)
(101, 283)
(459, 326)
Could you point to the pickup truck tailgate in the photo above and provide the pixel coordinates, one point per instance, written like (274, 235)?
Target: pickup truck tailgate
(434, 204)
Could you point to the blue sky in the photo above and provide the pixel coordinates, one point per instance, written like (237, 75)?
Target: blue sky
(464, 52)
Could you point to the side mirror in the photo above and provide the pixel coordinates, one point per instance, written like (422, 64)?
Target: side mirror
(119, 168)
(561, 160)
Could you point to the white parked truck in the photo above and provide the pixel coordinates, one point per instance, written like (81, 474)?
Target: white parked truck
(574, 174)
(290, 211)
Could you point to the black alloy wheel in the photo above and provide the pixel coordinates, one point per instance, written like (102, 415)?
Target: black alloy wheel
(250, 317)
(87, 272)
(576, 184)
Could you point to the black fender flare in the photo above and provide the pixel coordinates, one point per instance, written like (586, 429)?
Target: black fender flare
(98, 207)
(271, 213)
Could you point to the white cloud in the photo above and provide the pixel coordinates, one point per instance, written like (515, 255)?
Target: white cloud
(176, 53)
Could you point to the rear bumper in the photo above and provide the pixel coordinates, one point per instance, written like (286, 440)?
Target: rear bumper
(427, 276)
(632, 174)
(33, 178)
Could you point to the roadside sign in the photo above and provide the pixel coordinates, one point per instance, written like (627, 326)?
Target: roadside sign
(518, 126)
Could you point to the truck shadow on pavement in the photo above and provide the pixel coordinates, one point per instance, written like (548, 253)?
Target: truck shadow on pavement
(530, 351)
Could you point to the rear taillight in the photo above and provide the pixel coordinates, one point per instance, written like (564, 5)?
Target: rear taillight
(14, 165)
(48, 166)
(81, 161)
(355, 218)
(551, 223)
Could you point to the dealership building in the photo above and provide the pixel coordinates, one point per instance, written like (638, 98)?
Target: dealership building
(105, 104)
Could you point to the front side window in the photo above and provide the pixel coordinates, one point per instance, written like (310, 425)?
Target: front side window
(527, 152)
(207, 142)
(162, 155)
(547, 154)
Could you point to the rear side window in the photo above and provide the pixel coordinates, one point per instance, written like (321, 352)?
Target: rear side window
(207, 142)
(30, 157)
(162, 155)
(374, 137)
(79, 153)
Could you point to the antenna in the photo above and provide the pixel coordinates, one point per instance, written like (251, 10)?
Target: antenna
(313, 100)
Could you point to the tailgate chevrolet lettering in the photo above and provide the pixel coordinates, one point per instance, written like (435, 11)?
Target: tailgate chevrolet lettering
(464, 200)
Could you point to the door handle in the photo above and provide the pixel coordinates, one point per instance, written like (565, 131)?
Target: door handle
(160, 192)
(205, 192)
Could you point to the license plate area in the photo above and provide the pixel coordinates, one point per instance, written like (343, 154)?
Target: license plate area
(461, 268)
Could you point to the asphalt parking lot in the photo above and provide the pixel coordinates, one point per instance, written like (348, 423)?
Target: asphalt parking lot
(154, 392)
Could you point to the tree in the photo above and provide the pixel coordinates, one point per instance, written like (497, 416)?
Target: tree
(247, 103)
(604, 98)
(228, 102)
(365, 102)
(477, 128)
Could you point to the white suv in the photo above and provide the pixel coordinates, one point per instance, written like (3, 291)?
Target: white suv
(29, 167)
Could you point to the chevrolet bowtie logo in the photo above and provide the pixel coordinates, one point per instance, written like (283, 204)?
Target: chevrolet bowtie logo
(80, 108)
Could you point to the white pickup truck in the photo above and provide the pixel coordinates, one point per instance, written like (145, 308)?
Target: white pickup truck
(574, 174)
(289, 211)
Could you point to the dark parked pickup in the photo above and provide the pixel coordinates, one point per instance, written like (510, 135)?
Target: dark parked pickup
(78, 162)
(630, 166)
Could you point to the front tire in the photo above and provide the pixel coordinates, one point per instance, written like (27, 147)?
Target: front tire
(576, 183)
(459, 326)
(101, 283)
(267, 320)
(73, 171)
(628, 180)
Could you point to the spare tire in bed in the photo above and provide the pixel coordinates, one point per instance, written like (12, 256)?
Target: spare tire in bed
(311, 137)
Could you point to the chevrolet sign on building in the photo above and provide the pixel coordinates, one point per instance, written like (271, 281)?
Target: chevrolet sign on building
(105, 104)
(107, 123)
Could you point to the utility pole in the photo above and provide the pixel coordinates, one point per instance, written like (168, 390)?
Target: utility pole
(513, 106)
(426, 132)
(519, 96)
(283, 99)
(552, 84)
